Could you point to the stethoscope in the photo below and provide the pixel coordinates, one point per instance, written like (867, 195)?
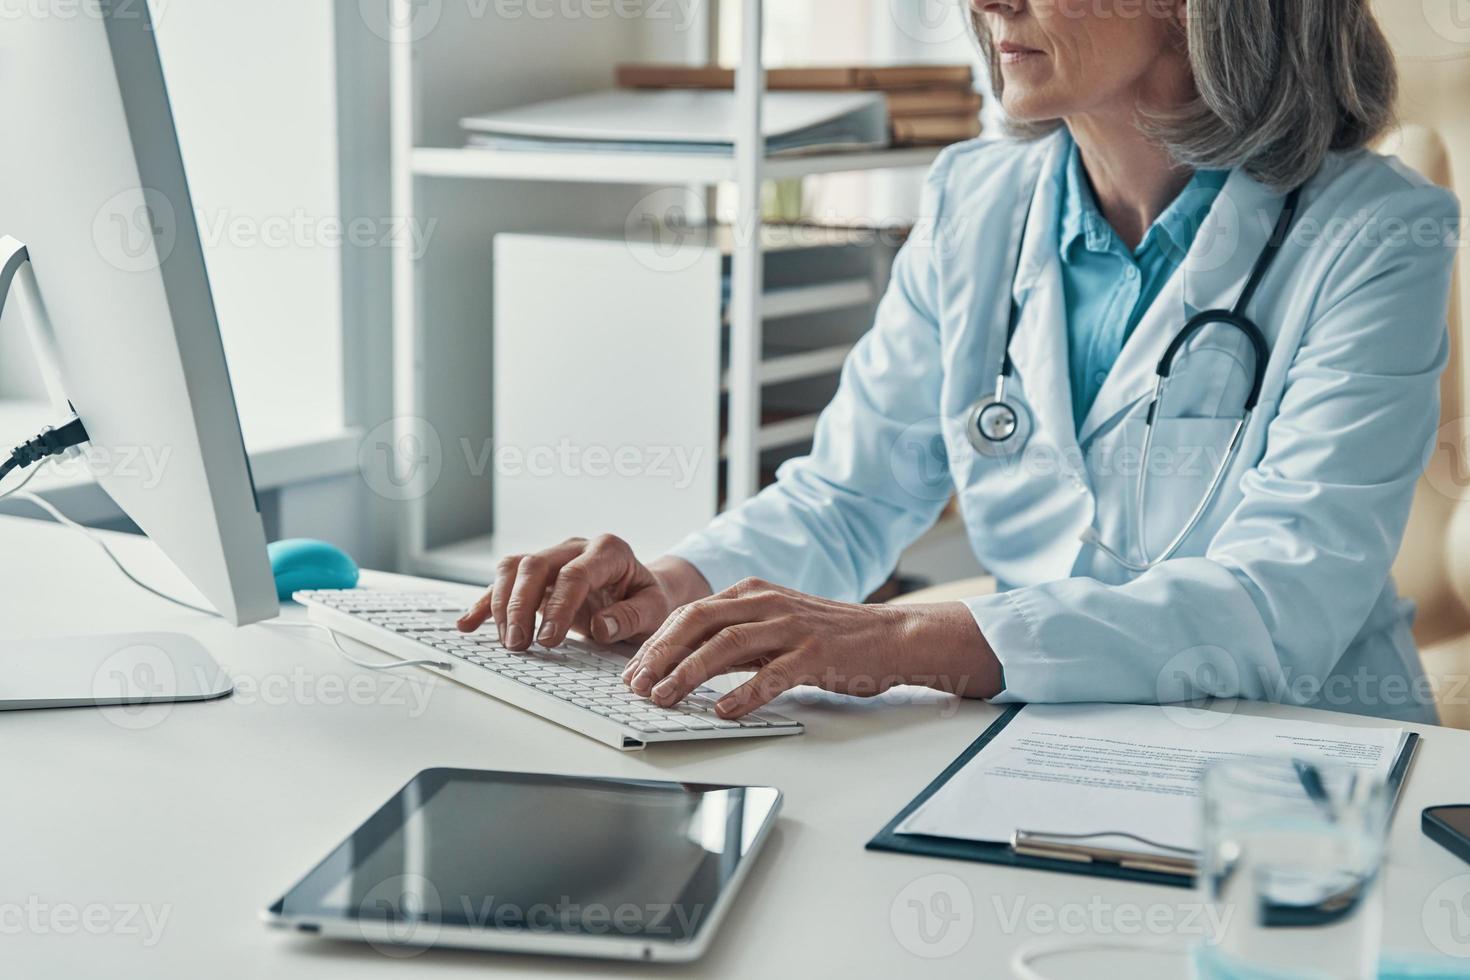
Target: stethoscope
(998, 426)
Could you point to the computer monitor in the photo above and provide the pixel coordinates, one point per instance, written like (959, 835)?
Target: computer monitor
(116, 295)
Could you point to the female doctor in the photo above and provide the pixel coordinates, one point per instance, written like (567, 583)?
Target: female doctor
(1229, 534)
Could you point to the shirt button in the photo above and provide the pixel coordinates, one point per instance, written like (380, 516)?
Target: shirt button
(1132, 272)
(1099, 377)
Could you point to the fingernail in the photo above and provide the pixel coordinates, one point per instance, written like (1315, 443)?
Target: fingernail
(643, 680)
(499, 635)
(548, 632)
(609, 626)
(665, 691)
(726, 706)
(515, 637)
(628, 669)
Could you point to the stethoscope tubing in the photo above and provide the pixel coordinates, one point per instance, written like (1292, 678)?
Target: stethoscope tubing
(1236, 318)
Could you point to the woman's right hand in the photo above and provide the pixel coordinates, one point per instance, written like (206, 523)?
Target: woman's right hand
(597, 587)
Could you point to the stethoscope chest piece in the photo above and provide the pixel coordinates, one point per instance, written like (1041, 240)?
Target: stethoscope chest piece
(998, 426)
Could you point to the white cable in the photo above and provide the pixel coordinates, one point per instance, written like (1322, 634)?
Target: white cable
(336, 642)
(87, 533)
(21, 485)
(19, 493)
(1029, 953)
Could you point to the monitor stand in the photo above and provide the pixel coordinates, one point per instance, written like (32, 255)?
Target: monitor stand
(123, 669)
(119, 669)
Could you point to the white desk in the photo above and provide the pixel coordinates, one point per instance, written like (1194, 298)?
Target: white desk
(207, 812)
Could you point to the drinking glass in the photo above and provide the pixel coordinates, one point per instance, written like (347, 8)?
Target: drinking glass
(1289, 870)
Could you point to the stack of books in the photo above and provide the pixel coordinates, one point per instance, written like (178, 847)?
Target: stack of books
(928, 105)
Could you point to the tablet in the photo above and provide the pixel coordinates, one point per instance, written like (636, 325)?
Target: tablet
(531, 863)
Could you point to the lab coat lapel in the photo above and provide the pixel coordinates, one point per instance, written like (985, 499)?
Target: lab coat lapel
(1211, 277)
(1039, 349)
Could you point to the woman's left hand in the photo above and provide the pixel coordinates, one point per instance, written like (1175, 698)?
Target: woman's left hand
(791, 638)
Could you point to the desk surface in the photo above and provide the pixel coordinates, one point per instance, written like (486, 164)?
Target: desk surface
(148, 841)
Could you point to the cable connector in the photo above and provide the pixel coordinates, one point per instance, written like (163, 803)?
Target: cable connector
(51, 442)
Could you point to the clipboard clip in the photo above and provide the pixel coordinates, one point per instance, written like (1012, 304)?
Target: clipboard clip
(1072, 847)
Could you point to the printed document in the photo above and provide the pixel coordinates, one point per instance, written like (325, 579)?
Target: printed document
(1085, 769)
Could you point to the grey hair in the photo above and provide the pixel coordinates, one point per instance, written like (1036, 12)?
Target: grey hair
(1280, 83)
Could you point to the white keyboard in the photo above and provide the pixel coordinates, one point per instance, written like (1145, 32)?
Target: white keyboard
(577, 685)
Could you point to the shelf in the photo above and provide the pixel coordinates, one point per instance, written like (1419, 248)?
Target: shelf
(646, 168)
(789, 301)
(794, 367)
(774, 435)
(819, 298)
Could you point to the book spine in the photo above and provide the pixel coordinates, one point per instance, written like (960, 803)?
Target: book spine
(925, 130)
(933, 102)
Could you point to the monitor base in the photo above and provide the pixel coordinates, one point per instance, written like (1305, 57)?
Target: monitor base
(108, 669)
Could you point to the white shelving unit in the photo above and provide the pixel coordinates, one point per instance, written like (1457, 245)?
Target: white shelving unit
(416, 167)
(644, 168)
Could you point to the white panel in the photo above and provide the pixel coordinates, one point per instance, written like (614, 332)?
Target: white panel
(253, 87)
(606, 368)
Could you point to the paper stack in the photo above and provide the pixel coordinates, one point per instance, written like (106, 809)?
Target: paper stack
(683, 122)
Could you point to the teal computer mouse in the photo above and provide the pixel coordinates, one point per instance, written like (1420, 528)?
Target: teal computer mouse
(305, 563)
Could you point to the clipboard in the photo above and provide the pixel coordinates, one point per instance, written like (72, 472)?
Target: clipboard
(1048, 853)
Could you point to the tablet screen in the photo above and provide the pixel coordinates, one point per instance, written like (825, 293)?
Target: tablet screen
(537, 853)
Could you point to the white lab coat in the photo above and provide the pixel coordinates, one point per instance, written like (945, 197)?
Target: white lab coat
(1283, 591)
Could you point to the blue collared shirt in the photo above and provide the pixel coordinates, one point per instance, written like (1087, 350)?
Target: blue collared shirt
(1106, 287)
